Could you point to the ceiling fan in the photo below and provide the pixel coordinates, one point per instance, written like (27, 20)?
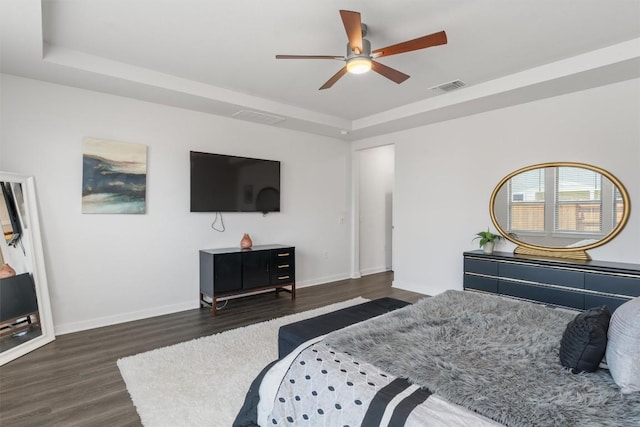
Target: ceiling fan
(360, 57)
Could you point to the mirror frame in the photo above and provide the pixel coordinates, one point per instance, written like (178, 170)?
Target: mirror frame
(548, 251)
(39, 272)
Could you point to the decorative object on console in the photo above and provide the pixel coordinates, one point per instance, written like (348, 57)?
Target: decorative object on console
(559, 209)
(584, 342)
(487, 240)
(114, 177)
(624, 346)
(6, 271)
(246, 242)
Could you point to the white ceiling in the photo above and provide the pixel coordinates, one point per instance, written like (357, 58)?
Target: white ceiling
(219, 56)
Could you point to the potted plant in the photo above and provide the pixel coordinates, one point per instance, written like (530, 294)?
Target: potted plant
(487, 240)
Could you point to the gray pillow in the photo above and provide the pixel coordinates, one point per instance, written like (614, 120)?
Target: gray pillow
(623, 347)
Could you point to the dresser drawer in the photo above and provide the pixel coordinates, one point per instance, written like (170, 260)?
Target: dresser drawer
(545, 275)
(546, 295)
(283, 266)
(488, 268)
(283, 276)
(486, 284)
(612, 284)
(283, 256)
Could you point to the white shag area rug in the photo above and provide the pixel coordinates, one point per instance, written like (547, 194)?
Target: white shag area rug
(203, 382)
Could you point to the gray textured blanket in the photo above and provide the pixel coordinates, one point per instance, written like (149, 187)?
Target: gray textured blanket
(495, 356)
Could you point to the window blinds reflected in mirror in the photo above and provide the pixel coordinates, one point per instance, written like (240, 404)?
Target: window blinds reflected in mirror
(527, 201)
(579, 207)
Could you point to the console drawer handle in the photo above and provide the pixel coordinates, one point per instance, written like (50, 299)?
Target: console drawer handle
(284, 254)
(283, 266)
(282, 277)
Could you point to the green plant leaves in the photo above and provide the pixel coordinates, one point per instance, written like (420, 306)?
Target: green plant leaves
(486, 237)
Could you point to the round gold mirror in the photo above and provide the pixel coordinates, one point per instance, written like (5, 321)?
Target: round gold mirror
(559, 209)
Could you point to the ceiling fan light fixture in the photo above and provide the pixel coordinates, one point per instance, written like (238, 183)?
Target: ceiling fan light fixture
(359, 65)
(359, 57)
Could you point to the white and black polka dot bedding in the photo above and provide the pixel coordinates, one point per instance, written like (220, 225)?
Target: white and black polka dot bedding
(317, 386)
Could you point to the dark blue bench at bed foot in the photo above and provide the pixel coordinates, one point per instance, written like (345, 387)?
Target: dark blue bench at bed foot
(292, 335)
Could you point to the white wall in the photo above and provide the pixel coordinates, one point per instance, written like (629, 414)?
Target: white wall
(445, 174)
(105, 269)
(375, 169)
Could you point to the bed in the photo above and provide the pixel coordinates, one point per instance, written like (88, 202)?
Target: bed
(457, 359)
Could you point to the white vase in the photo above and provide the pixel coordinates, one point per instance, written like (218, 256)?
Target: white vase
(488, 248)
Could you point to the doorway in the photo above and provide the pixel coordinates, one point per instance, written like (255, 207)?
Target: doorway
(376, 171)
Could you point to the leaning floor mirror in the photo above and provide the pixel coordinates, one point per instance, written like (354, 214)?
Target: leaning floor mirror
(25, 312)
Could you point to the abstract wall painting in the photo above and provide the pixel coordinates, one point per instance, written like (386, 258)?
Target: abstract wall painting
(114, 177)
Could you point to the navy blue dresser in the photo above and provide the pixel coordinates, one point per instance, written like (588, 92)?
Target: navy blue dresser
(567, 283)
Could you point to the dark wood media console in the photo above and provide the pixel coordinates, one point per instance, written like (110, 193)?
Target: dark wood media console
(234, 271)
(575, 284)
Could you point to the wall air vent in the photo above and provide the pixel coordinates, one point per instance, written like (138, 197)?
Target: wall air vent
(254, 116)
(449, 86)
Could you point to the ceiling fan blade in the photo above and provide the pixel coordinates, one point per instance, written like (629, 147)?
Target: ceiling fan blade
(389, 72)
(335, 78)
(353, 26)
(434, 39)
(341, 58)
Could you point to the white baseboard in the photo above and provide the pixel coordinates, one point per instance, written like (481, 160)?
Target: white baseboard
(374, 270)
(421, 288)
(67, 328)
(321, 280)
(408, 286)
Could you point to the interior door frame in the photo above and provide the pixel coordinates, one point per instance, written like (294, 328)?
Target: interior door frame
(355, 207)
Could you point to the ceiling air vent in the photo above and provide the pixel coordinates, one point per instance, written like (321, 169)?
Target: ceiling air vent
(254, 116)
(449, 86)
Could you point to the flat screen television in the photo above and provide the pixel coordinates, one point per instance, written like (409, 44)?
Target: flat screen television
(221, 183)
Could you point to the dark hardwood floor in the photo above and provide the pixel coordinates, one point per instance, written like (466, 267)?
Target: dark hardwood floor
(74, 381)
